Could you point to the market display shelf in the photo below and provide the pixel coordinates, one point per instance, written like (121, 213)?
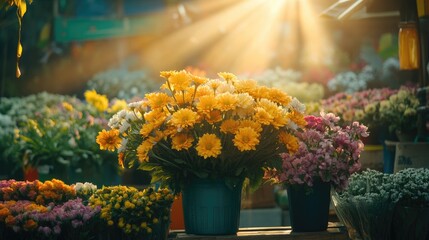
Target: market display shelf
(335, 231)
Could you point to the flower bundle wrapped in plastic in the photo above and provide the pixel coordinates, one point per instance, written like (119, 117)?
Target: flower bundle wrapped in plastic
(385, 206)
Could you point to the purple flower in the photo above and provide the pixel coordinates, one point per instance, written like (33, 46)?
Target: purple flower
(326, 151)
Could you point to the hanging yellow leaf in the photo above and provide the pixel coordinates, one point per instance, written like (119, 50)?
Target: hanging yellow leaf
(19, 50)
(18, 72)
(22, 8)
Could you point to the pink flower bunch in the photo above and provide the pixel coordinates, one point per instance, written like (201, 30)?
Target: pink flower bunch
(71, 220)
(360, 106)
(327, 151)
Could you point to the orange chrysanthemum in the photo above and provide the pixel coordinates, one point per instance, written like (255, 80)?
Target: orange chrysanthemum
(229, 126)
(179, 81)
(262, 116)
(297, 118)
(181, 141)
(158, 100)
(290, 141)
(109, 140)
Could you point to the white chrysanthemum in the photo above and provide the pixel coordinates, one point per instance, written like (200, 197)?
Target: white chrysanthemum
(296, 104)
(125, 126)
(123, 145)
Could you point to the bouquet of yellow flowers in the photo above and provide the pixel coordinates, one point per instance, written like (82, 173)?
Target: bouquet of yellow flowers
(206, 128)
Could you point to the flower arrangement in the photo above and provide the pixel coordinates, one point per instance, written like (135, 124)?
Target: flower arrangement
(207, 128)
(362, 106)
(135, 213)
(399, 112)
(122, 83)
(54, 210)
(326, 151)
(55, 191)
(28, 220)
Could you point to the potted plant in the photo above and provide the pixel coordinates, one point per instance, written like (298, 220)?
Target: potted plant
(399, 113)
(200, 133)
(327, 155)
(128, 213)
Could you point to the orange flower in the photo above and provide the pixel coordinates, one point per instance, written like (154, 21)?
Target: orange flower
(30, 224)
(181, 141)
(109, 140)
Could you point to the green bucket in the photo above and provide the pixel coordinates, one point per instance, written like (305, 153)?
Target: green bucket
(210, 207)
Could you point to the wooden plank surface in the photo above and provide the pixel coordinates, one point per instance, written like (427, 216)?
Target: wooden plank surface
(335, 231)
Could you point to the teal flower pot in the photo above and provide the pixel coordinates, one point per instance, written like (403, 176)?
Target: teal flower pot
(309, 210)
(210, 207)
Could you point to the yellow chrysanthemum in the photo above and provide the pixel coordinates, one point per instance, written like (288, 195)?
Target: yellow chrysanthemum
(290, 141)
(181, 141)
(167, 74)
(213, 84)
(143, 150)
(297, 118)
(229, 126)
(117, 106)
(253, 124)
(100, 102)
(246, 139)
(246, 86)
(199, 80)
(180, 80)
(158, 99)
(262, 116)
(226, 101)
(146, 129)
(67, 106)
(213, 116)
(184, 118)
(154, 115)
(229, 77)
(278, 96)
(109, 140)
(204, 90)
(184, 98)
(206, 104)
(279, 118)
(209, 146)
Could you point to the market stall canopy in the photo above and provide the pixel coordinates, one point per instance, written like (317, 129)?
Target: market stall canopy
(362, 9)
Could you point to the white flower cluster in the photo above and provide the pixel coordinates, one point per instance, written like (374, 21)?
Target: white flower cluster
(122, 84)
(22, 108)
(289, 81)
(351, 82)
(84, 190)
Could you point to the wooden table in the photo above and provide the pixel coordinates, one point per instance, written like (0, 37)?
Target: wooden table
(335, 231)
